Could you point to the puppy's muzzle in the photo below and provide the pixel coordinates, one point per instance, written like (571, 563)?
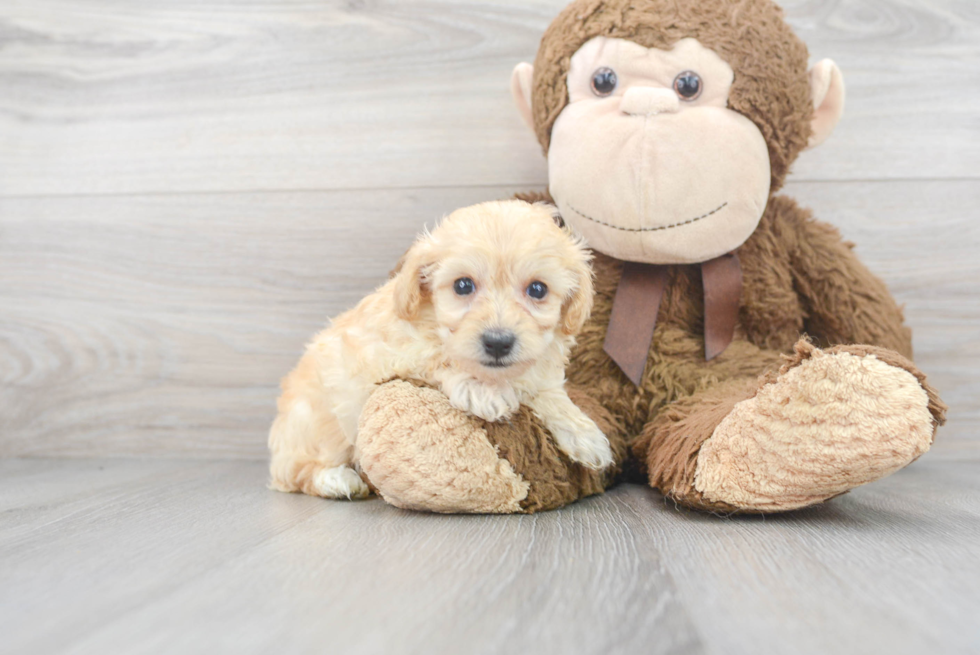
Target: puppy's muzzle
(498, 344)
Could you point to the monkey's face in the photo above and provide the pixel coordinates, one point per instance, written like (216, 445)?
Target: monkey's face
(648, 162)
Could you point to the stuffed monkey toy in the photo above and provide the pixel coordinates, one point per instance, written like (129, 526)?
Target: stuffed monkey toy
(739, 356)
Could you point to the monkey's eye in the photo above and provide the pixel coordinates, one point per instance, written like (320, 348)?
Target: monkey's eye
(537, 290)
(464, 286)
(688, 85)
(604, 81)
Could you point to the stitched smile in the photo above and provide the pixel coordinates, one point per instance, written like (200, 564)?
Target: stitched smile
(651, 229)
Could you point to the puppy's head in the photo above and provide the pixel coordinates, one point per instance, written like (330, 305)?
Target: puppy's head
(504, 282)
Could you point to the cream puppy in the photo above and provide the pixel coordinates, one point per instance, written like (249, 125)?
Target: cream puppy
(484, 308)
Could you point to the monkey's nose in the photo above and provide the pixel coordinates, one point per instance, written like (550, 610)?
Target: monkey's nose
(498, 343)
(648, 101)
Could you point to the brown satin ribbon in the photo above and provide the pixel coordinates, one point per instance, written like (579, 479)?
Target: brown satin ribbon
(722, 280)
(633, 317)
(637, 302)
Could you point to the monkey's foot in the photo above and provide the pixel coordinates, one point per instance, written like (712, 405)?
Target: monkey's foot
(421, 453)
(828, 422)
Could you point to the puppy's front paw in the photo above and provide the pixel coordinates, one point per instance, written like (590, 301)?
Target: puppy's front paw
(340, 482)
(587, 446)
(489, 403)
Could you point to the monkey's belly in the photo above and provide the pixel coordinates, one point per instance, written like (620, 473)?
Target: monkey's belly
(675, 368)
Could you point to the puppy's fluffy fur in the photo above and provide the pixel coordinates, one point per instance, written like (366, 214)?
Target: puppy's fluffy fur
(426, 324)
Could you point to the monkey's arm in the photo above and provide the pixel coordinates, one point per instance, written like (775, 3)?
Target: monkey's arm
(845, 303)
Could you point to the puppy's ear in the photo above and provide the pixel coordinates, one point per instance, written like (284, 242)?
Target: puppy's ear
(410, 278)
(578, 306)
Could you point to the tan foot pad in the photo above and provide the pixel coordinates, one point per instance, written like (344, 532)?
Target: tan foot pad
(421, 453)
(832, 423)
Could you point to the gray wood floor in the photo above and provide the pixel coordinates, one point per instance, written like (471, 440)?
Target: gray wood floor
(189, 188)
(167, 556)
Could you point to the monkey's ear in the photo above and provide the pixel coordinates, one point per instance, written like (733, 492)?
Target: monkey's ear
(827, 90)
(520, 89)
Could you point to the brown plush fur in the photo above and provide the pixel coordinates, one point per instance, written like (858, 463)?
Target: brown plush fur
(554, 479)
(668, 447)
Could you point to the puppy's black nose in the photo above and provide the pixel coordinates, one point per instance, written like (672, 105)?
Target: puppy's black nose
(498, 343)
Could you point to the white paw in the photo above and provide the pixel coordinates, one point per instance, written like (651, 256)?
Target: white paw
(587, 446)
(489, 403)
(340, 482)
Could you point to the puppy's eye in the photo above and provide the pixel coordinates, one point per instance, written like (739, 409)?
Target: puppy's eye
(464, 286)
(604, 81)
(537, 290)
(688, 85)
